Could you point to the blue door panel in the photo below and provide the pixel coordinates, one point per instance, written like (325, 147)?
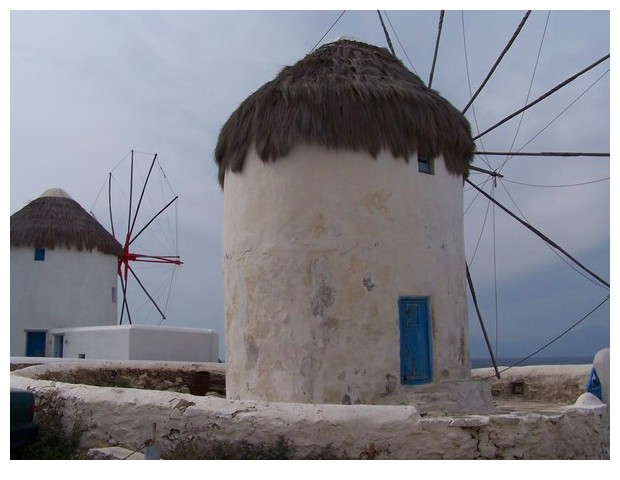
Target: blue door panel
(415, 341)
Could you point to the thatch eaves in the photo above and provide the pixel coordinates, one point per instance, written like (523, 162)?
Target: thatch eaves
(59, 221)
(346, 95)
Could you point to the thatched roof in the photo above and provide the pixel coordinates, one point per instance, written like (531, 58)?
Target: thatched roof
(56, 220)
(346, 95)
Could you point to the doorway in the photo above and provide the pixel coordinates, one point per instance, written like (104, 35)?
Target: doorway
(35, 344)
(59, 341)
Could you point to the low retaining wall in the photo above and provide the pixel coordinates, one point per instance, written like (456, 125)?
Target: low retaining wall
(113, 416)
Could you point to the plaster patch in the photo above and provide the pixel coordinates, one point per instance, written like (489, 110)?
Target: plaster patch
(376, 202)
(317, 227)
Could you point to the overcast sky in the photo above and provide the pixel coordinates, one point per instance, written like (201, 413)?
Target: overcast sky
(87, 87)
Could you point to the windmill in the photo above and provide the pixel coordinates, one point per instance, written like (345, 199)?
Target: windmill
(146, 235)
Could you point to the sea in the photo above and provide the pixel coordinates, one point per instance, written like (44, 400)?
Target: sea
(510, 361)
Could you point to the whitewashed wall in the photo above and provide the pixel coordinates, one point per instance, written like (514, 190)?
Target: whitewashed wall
(125, 417)
(318, 247)
(141, 342)
(69, 289)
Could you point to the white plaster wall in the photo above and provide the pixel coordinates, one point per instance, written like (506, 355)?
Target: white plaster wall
(69, 289)
(173, 344)
(319, 246)
(141, 342)
(601, 365)
(111, 343)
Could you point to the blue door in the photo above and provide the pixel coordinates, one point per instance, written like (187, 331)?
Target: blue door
(415, 341)
(35, 344)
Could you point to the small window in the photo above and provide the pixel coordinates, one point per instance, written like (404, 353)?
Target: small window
(517, 387)
(425, 165)
(113, 294)
(39, 254)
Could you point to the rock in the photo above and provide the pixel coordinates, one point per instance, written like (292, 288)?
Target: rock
(588, 400)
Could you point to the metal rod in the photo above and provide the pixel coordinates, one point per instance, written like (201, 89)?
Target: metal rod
(540, 234)
(110, 202)
(142, 195)
(430, 80)
(483, 170)
(484, 330)
(152, 219)
(130, 197)
(546, 154)
(387, 36)
(146, 292)
(506, 48)
(542, 97)
(125, 304)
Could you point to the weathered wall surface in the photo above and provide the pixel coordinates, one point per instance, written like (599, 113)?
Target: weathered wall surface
(69, 289)
(124, 417)
(318, 248)
(553, 383)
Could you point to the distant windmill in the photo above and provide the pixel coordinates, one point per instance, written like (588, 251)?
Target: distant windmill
(148, 237)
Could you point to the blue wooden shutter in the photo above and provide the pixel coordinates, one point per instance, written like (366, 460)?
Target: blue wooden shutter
(415, 341)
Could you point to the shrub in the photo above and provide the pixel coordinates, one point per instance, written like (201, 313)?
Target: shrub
(56, 440)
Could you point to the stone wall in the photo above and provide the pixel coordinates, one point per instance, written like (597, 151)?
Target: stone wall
(195, 380)
(114, 416)
(561, 384)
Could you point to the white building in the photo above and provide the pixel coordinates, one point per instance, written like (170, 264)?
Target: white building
(63, 273)
(64, 270)
(140, 342)
(344, 262)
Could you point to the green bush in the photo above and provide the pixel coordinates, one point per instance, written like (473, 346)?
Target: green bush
(56, 441)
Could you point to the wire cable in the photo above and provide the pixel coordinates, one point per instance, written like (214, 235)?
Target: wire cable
(529, 91)
(506, 48)
(399, 42)
(485, 160)
(558, 116)
(328, 30)
(542, 236)
(549, 246)
(545, 95)
(557, 186)
(558, 337)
